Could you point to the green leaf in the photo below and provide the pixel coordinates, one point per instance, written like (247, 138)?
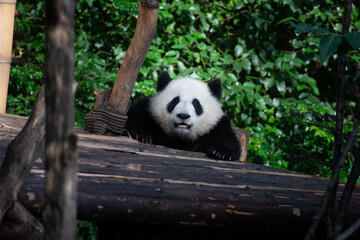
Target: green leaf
(246, 64)
(353, 39)
(249, 85)
(281, 86)
(321, 31)
(180, 46)
(237, 66)
(328, 47)
(298, 62)
(199, 35)
(304, 28)
(301, 87)
(294, 73)
(262, 115)
(311, 82)
(269, 83)
(90, 2)
(172, 53)
(228, 59)
(181, 66)
(238, 50)
(284, 20)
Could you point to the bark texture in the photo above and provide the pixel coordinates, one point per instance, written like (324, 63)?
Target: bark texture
(61, 166)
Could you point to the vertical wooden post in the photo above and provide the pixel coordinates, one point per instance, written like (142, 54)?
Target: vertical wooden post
(61, 163)
(135, 55)
(109, 113)
(7, 13)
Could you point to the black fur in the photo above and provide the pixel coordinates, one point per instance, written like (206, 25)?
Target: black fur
(172, 104)
(220, 143)
(215, 88)
(198, 108)
(163, 81)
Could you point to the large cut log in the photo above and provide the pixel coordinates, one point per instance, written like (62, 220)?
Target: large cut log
(123, 181)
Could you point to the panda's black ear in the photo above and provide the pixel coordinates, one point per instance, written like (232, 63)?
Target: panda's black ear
(215, 88)
(163, 81)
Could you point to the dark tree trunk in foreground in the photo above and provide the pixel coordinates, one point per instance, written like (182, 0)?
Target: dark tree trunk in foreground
(61, 166)
(20, 157)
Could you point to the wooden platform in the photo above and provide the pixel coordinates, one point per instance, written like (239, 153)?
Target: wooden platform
(121, 180)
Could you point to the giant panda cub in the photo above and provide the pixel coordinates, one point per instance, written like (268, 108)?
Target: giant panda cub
(185, 114)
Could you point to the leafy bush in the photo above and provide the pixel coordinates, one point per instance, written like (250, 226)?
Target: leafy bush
(86, 230)
(275, 59)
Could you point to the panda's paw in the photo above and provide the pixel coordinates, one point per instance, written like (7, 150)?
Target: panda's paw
(142, 137)
(223, 153)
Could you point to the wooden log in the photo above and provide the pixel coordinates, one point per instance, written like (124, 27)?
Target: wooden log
(7, 14)
(61, 163)
(123, 181)
(134, 57)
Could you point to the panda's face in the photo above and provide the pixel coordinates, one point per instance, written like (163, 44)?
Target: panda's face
(186, 108)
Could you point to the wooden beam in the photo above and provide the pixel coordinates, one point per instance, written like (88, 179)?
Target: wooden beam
(7, 14)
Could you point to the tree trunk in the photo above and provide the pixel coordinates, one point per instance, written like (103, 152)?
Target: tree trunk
(61, 166)
(20, 157)
(111, 106)
(134, 58)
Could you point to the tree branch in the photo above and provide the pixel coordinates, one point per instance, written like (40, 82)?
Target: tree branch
(340, 106)
(353, 228)
(19, 214)
(318, 125)
(21, 154)
(349, 188)
(20, 157)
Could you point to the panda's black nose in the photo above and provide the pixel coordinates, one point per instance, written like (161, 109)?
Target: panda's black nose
(183, 116)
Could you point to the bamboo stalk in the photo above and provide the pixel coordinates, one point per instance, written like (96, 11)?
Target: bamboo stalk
(7, 13)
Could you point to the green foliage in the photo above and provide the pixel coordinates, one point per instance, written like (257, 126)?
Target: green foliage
(86, 230)
(328, 46)
(276, 59)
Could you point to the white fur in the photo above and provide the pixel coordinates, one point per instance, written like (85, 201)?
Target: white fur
(187, 89)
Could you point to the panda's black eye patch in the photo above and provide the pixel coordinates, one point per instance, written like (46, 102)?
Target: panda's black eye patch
(172, 104)
(198, 108)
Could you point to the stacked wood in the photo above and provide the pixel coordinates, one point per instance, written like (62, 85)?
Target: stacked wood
(121, 180)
